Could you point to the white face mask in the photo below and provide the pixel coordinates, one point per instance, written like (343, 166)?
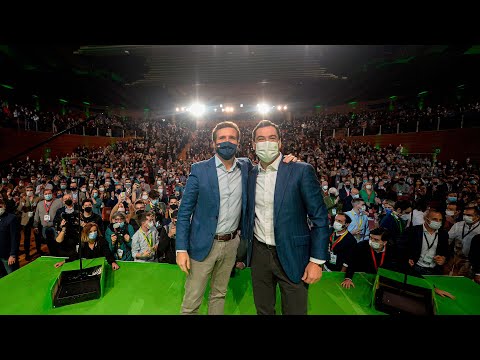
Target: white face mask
(468, 219)
(337, 226)
(144, 197)
(405, 217)
(449, 213)
(2, 211)
(435, 225)
(325, 187)
(267, 151)
(368, 187)
(374, 245)
(355, 196)
(363, 208)
(150, 224)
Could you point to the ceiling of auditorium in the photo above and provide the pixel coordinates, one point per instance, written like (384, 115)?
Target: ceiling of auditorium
(165, 76)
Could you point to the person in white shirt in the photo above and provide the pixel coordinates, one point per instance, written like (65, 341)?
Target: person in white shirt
(145, 240)
(465, 230)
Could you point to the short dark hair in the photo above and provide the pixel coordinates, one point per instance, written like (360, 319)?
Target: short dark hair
(475, 208)
(403, 204)
(348, 219)
(383, 232)
(357, 200)
(87, 201)
(266, 123)
(223, 125)
(143, 217)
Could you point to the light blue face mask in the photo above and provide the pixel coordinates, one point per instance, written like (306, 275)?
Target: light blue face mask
(374, 245)
(92, 236)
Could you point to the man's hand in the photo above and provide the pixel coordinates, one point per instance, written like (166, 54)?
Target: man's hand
(439, 260)
(240, 265)
(115, 266)
(313, 273)
(58, 264)
(410, 262)
(183, 260)
(355, 232)
(126, 237)
(347, 283)
(444, 293)
(114, 238)
(173, 231)
(11, 260)
(288, 158)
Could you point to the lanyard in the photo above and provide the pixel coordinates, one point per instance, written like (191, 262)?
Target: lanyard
(47, 209)
(399, 223)
(148, 239)
(375, 260)
(463, 230)
(433, 242)
(336, 241)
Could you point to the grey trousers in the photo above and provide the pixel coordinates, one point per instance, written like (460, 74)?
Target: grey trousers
(217, 265)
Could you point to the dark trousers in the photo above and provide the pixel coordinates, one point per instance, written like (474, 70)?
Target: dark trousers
(266, 273)
(27, 234)
(428, 271)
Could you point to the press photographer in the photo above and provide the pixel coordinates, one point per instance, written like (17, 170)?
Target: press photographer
(67, 222)
(118, 236)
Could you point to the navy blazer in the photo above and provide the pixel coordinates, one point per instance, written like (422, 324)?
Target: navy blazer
(298, 194)
(198, 213)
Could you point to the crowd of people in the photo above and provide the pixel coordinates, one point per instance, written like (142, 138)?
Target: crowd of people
(122, 200)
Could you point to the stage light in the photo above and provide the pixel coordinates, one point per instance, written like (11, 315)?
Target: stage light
(285, 107)
(215, 109)
(223, 109)
(241, 105)
(279, 107)
(221, 105)
(183, 108)
(263, 108)
(177, 109)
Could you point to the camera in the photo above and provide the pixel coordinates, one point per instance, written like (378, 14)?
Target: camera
(71, 219)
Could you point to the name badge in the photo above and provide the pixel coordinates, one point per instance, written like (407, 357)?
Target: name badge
(334, 211)
(427, 259)
(30, 213)
(333, 258)
(119, 253)
(46, 217)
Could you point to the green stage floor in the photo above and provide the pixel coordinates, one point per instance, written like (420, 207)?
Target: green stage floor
(157, 289)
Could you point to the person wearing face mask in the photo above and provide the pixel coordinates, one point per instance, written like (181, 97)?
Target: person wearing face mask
(166, 241)
(145, 240)
(97, 202)
(451, 215)
(67, 224)
(119, 235)
(347, 201)
(9, 241)
(93, 246)
(43, 219)
(341, 245)
(325, 192)
(27, 206)
(396, 221)
(402, 189)
(333, 203)
(368, 194)
(283, 248)
(359, 227)
(87, 215)
(213, 210)
(370, 255)
(427, 245)
(466, 229)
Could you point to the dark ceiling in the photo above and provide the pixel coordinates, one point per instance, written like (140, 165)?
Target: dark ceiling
(164, 76)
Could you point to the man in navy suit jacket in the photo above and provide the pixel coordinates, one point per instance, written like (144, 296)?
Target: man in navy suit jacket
(212, 211)
(282, 247)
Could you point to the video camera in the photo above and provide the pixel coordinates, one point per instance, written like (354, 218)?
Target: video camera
(71, 219)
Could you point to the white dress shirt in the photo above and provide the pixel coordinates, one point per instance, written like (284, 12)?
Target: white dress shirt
(461, 230)
(230, 188)
(264, 204)
(426, 255)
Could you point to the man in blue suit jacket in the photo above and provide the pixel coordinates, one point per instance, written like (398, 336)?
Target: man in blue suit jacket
(212, 211)
(282, 247)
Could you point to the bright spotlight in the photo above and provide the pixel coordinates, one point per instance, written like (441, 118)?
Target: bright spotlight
(263, 108)
(177, 109)
(221, 105)
(223, 109)
(215, 109)
(241, 105)
(197, 109)
(183, 108)
(285, 107)
(279, 107)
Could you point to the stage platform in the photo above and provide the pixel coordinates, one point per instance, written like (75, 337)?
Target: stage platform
(157, 289)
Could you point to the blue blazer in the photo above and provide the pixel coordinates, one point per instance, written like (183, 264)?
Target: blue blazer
(297, 195)
(198, 213)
